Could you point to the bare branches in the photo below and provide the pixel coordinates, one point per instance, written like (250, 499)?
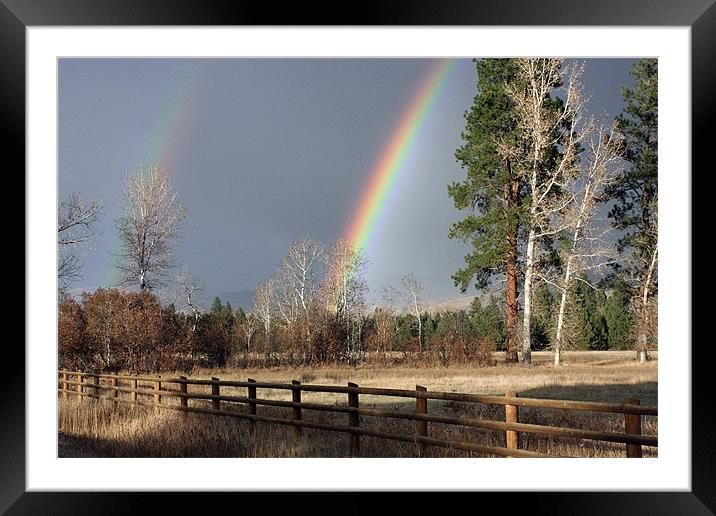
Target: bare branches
(189, 286)
(299, 279)
(343, 287)
(264, 308)
(248, 328)
(589, 249)
(69, 269)
(76, 229)
(76, 219)
(413, 293)
(549, 152)
(151, 220)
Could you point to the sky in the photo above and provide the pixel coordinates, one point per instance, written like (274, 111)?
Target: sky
(265, 151)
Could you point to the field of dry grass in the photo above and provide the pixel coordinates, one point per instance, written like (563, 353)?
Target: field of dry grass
(92, 428)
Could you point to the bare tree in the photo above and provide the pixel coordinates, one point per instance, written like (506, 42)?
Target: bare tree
(344, 289)
(151, 220)
(413, 291)
(248, 328)
(264, 298)
(589, 249)
(189, 286)
(298, 276)
(301, 268)
(343, 284)
(76, 229)
(287, 303)
(544, 125)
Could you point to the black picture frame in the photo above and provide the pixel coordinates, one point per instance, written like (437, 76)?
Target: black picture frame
(17, 15)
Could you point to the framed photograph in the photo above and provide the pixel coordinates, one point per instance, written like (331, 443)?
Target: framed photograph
(290, 133)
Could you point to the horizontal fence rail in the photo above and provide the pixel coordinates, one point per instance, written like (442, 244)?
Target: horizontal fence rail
(155, 393)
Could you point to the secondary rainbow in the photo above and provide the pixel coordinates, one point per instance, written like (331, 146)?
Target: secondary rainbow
(166, 140)
(392, 159)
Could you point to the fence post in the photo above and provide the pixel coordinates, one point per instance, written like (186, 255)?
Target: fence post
(512, 415)
(133, 385)
(354, 421)
(65, 395)
(215, 404)
(421, 427)
(95, 388)
(157, 396)
(80, 389)
(252, 405)
(296, 397)
(115, 392)
(183, 389)
(632, 425)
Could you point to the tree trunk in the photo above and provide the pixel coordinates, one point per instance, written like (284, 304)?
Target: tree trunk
(420, 333)
(267, 344)
(527, 318)
(511, 300)
(560, 323)
(643, 339)
(560, 318)
(420, 324)
(563, 302)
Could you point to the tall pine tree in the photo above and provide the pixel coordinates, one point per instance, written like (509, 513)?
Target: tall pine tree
(493, 191)
(635, 194)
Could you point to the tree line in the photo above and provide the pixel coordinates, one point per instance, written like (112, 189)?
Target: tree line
(114, 330)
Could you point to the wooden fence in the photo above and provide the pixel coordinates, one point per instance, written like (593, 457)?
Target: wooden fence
(127, 389)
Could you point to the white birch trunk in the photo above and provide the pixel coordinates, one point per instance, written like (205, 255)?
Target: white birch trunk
(568, 276)
(562, 308)
(527, 319)
(643, 344)
(420, 323)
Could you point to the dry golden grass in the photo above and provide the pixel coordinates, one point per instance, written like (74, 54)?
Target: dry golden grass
(101, 428)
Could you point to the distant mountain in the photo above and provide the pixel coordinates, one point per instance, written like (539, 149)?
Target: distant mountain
(448, 305)
(440, 305)
(237, 298)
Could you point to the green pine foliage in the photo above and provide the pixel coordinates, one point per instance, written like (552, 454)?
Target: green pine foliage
(589, 323)
(493, 216)
(543, 318)
(635, 193)
(619, 317)
(488, 322)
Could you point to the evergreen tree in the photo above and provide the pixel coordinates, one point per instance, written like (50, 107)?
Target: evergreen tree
(217, 308)
(493, 190)
(636, 191)
(635, 194)
(618, 316)
(488, 322)
(239, 318)
(223, 314)
(543, 318)
(590, 328)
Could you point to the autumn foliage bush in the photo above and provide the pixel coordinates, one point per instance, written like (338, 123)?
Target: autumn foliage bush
(112, 330)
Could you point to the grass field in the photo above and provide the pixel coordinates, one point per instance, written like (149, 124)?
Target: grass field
(93, 428)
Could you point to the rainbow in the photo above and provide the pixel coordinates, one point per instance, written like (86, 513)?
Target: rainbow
(166, 140)
(363, 222)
